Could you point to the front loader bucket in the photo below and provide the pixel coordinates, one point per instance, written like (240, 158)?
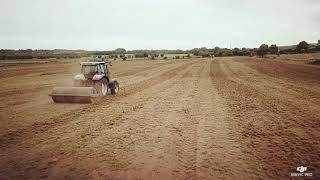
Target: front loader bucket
(73, 94)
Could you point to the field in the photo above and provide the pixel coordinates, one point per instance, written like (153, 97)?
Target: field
(229, 118)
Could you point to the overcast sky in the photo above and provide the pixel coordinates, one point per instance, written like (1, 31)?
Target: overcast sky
(156, 24)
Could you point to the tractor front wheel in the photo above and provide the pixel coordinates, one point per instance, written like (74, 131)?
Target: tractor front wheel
(114, 87)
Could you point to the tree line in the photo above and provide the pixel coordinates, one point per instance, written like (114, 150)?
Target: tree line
(264, 49)
(301, 47)
(10, 54)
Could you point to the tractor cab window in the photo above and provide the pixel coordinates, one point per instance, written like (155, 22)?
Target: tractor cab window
(101, 69)
(89, 69)
(105, 69)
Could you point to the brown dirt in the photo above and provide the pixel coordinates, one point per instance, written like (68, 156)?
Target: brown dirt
(227, 118)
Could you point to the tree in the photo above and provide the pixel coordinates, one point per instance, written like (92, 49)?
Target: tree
(153, 54)
(196, 51)
(236, 51)
(274, 49)
(120, 51)
(162, 55)
(123, 57)
(204, 54)
(263, 50)
(302, 47)
(203, 49)
(319, 42)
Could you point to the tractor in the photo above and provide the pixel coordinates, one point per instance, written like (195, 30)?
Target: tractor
(93, 81)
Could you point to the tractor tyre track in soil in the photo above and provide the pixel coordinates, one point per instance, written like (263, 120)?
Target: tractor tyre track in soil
(55, 120)
(278, 124)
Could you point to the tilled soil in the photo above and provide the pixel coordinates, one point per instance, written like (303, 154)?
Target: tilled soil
(222, 118)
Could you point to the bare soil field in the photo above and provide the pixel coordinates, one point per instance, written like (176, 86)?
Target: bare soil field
(220, 118)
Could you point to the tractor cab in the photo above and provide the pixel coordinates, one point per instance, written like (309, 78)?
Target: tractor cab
(89, 69)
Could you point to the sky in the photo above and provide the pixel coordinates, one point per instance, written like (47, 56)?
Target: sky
(156, 24)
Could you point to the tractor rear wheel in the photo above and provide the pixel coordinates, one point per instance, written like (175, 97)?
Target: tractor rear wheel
(102, 86)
